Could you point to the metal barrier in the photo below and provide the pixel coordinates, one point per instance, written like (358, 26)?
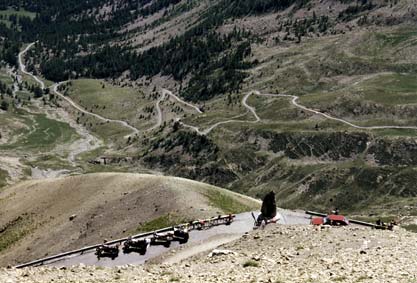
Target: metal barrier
(315, 213)
(198, 224)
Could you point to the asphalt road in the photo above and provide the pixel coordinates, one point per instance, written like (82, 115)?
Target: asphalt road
(242, 224)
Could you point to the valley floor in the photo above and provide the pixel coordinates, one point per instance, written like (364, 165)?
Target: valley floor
(277, 254)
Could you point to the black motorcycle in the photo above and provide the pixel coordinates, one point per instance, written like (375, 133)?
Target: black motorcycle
(139, 246)
(161, 239)
(107, 251)
(181, 235)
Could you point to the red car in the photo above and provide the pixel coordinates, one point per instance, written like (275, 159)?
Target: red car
(332, 219)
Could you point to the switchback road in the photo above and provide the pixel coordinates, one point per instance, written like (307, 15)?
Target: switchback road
(55, 87)
(294, 102)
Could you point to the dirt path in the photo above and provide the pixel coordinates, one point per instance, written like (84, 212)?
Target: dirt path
(294, 101)
(22, 66)
(86, 143)
(158, 112)
(67, 99)
(233, 120)
(165, 92)
(250, 108)
(212, 127)
(79, 108)
(196, 108)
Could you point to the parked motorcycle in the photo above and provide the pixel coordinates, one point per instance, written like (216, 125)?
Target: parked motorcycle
(161, 239)
(136, 245)
(181, 235)
(107, 251)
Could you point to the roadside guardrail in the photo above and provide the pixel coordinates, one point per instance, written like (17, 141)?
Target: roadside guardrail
(198, 224)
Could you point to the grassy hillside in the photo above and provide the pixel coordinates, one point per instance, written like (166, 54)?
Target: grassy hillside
(30, 136)
(351, 60)
(121, 103)
(106, 205)
(42, 134)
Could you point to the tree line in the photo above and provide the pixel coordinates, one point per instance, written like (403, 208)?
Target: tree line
(212, 63)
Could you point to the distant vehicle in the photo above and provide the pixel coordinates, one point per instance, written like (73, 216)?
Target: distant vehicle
(107, 251)
(332, 219)
(136, 245)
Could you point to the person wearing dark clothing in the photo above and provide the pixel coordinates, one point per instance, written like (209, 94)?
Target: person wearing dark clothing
(268, 209)
(269, 206)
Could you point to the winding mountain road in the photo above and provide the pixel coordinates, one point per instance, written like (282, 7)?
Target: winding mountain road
(80, 109)
(166, 92)
(55, 87)
(22, 66)
(250, 108)
(87, 142)
(159, 114)
(294, 102)
(233, 120)
(159, 118)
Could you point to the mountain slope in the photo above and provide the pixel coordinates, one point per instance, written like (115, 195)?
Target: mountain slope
(35, 214)
(352, 61)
